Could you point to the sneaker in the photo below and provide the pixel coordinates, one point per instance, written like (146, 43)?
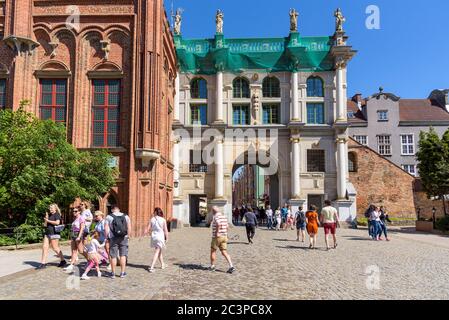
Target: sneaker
(99, 274)
(69, 269)
(112, 276)
(164, 266)
(123, 275)
(85, 277)
(151, 270)
(61, 264)
(41, 266)
(231, 270)
(212, 268)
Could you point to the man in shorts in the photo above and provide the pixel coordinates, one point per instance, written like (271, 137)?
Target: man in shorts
(219, 239)
(330, 219)
(118, 243)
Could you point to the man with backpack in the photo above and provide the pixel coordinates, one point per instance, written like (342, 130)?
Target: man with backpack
(117, 228)
(300, 221)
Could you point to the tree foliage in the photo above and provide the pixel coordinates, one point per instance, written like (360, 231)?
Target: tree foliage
(433, 157)
(39, 167)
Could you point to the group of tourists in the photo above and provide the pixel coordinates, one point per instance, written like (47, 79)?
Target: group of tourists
(377, 222)
(102, 241)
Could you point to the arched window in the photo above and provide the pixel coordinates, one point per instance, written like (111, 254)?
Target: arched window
(271, 87)
(315, 87)
(241, 88)
(198, 89)
(352, 162)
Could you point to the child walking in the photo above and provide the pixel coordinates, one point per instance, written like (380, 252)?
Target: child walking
(93, 248)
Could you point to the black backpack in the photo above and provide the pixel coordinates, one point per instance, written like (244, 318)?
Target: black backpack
(119, 226)
(301, 217)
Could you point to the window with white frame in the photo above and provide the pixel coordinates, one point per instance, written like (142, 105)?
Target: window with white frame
(384, 145)
(361, 139)
(382, 115)
(410, 168)
(407, 145)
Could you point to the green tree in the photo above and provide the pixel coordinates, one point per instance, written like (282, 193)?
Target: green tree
(39, 167)
(433, 157)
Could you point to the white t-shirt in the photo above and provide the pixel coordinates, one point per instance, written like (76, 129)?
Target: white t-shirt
(269, 213)
(93, 246)
(87, 214)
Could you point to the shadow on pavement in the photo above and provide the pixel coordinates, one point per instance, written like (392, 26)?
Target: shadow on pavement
(285, 240)
(191, 266)
(357, 238)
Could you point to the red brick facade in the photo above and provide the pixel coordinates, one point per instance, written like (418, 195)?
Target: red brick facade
(125, 40)
(381, 182)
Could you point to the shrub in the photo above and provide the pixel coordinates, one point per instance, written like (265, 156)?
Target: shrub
(442, 224)
(28, 234)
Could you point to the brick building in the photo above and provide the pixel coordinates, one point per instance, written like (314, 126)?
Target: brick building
(107, 71)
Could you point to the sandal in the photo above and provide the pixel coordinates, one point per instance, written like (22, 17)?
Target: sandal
(150, 270)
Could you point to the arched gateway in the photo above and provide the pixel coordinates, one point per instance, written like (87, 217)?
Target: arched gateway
(288, 115)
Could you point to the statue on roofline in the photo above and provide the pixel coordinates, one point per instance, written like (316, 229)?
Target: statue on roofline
(293, 20)
(219, 21)
(178, 21)
(339, 20)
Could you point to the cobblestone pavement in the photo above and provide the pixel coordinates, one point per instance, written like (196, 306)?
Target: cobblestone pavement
(275, 267)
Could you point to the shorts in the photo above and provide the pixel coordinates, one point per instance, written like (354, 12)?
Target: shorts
(301, 226)
(75, 235)
(119, 247)
(53, 236)
(219, 243)
(330, 228)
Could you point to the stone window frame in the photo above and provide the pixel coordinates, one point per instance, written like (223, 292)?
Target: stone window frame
(383, 145)
(407, 144)
(195, 88)
(352, 163)
(380, 118)
(271, 87)
(243, 108)
(357, 136)
(241, 88)
(191, 114)
(406, 168)
(320, 156)
(54, 106)
(272, 106)
(313, 83)
(314, 104)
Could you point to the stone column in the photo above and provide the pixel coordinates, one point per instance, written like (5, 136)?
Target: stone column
(219, 97)
(341, 167)
(294, 116)
(296, 183)
(219, 170)
(341, 98)
(176, 108)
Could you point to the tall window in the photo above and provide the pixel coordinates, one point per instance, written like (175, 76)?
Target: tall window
(361, 139)
(197, 163)
(240, 114)
(53, 99)
(241, 88)
(382, 115)
(410, 168)
(352, 162)
(407, 145)
(2, 93)
(198, 89)
(198, 114)
(315, 113)
(316, 161)
(315, 87)
(271, 87)
(105, 113)
(384, 145)
(270, 113)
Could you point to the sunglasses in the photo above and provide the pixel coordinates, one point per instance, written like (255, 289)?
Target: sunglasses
(75, 211)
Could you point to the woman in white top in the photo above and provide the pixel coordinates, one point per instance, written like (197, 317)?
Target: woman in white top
(277, 216)
(159, 236)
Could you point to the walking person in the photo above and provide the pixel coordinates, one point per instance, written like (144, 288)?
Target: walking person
(368, 216)
(269, 214)
(290, 218)
(284, 216)
(77, 237)
(278, 218)
(383, 223)
(219, 239)
(159, 237)
(250, 224)
(300, 221)
(312, 225)
(87, 215)
(100, 228)
(93, 248)
(118, 226)
(330, 220)
(52, 236)
(375, 221)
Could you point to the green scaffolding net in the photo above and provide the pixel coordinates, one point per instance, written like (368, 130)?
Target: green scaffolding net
(294, 53)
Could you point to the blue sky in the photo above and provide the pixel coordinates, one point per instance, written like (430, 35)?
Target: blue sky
(408, 56)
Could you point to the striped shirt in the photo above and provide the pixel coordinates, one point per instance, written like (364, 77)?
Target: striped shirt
(220, 223)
